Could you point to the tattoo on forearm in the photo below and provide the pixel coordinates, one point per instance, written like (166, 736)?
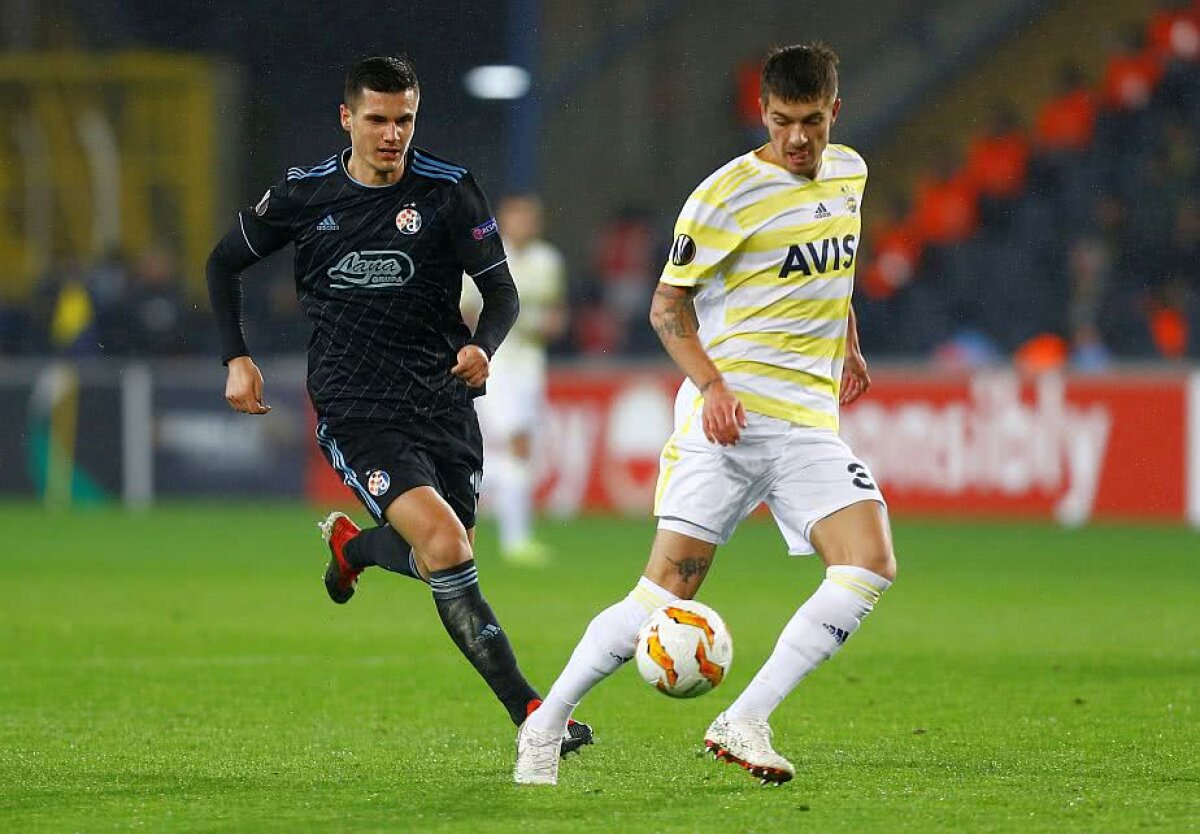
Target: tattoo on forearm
(690, 569)
(674, 315)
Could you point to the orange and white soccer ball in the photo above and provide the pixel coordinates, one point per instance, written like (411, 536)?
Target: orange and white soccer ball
(684, 649)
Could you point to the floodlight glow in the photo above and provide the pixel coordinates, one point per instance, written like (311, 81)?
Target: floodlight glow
(497, 82)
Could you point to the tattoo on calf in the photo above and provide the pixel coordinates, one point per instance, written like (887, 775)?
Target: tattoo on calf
(690, 569)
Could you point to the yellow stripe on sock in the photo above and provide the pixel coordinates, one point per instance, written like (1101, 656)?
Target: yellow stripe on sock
(867, 592)
(646, 599)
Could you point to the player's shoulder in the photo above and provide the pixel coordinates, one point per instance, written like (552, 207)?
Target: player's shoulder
(299, 176)
(725, 181)
(300, 183)
(434, 167)
(845, 161)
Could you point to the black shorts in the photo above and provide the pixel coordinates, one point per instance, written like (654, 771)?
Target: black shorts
(382, 461)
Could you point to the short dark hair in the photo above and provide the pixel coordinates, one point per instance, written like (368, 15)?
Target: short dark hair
(801, 72)
(385, 74)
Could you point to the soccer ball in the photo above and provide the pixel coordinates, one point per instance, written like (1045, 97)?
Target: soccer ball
(684, 649)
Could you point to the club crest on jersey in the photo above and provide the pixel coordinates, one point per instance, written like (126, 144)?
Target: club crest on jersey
(378, 482)
(484, 229)
(683, 251)
(851, 200)
(408, 221)
(261, 208)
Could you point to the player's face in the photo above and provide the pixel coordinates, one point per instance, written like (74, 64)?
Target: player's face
(380, 127)
(799, 132)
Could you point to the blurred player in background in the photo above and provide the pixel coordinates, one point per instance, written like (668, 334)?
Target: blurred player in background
(754, 307)
(384, 232)
(516, 399)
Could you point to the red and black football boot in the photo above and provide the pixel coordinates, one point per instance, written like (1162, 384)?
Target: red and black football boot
(340, 578)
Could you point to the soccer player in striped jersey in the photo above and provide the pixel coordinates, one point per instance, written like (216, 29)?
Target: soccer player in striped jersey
(383, 233)
(754, 307)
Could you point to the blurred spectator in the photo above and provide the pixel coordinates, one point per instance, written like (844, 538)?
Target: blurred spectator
(108, 282)
(156, 315)
(966, 350)
(997, 161)
(1174, 31)
(1150, 225)
(946, 207)
(597, 331)
(1132, 73)
(1166, 314)
(12, 329)
(1180, 293)
(748, 77)
(1089, 263)
(1112, 280)
(62, 312)
(896, 252)
(627, 263)
(1183, 257)
(1067, 122)
(1044, 353)
(1180, 151)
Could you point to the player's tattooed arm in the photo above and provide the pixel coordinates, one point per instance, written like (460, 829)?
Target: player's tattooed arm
(672, 314)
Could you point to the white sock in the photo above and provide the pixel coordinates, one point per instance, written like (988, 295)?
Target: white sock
(513, 496)
(818, 629)
(607, 644)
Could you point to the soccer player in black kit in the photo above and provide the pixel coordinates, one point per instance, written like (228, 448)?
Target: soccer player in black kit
(384, 232)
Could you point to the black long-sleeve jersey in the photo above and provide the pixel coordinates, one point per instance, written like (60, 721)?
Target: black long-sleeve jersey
(379, 274)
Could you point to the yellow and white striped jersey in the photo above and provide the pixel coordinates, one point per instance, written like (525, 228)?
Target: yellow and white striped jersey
(771, 255)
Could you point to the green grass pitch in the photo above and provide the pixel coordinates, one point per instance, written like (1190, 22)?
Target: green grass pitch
(183, 671)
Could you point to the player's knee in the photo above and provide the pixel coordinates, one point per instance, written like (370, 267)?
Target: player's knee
(878, 558)
(446, 549)
(883, 563)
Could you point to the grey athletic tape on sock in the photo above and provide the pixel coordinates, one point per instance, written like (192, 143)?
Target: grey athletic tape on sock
(454, 582)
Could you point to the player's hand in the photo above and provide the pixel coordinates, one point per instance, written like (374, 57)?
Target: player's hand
(723, 416)
(855, 379)
(244, 387)
(473, 366)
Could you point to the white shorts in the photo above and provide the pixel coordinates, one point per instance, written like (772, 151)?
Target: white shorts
(512, 404)
(803, 474)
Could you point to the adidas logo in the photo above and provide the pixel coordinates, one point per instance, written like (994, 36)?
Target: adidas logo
(328, 224)
(821, 212)
(839, 634)
(488, 632)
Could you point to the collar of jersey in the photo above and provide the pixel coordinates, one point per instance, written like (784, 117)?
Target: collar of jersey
(344, 155)
(772, 168)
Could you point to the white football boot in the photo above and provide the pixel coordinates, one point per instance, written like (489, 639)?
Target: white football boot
(747, 742)
(537, 757)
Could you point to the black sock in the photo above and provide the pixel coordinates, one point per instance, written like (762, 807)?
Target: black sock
(473, 627)
(384, 547)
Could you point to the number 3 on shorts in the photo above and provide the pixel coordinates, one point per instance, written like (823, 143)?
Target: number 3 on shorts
(862, 478)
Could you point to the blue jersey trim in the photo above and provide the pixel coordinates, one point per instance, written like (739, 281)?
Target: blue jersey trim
(434, 173)
(436, 163)
(326, 167)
